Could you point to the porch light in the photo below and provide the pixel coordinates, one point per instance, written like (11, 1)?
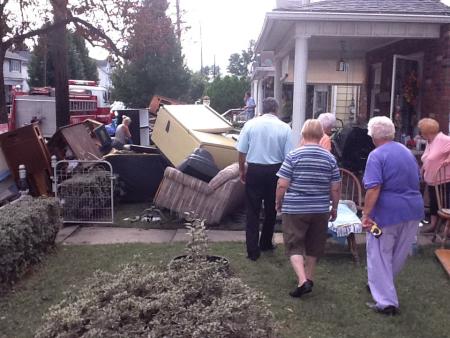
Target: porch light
(341, 65)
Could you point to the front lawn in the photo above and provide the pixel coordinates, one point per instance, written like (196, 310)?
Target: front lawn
(336, 308)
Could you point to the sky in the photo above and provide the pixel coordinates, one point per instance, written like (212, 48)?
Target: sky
(227, 26)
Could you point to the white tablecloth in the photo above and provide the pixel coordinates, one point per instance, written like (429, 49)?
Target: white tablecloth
(347, 221)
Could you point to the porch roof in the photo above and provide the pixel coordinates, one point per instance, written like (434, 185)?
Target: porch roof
(394, 19)
(420, 7)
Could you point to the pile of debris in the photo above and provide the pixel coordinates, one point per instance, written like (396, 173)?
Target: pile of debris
(79, 165)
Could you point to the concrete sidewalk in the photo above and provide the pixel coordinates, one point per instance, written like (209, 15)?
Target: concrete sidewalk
(76, 235)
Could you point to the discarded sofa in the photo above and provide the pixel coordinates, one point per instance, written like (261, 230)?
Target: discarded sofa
(211, 201)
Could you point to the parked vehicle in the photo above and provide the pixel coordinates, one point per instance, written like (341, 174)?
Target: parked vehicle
(87, 101)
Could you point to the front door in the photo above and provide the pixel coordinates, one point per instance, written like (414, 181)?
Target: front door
(405, 94)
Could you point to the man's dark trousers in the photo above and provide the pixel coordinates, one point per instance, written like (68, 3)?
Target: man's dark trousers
(260, 185)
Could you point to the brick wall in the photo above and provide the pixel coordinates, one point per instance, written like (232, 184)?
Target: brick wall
(435, 85)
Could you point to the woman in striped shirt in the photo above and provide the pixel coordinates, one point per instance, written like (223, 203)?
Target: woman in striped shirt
(308, 179)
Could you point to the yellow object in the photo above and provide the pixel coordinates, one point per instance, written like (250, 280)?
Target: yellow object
(179, 129)
(376, 231)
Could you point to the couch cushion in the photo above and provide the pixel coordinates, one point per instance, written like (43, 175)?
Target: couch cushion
(224, 176)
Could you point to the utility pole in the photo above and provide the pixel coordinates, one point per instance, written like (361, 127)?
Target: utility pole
(201, 49)
(177, 5)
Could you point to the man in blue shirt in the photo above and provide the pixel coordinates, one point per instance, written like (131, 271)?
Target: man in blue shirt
(263, 144)
(250, 105)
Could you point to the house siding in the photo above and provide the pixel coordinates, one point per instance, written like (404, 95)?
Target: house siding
(435, 84)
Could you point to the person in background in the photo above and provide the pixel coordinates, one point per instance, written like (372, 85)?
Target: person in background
(328, 122)
(123, 135)
(437, 152)
(249, 107)
(393, 201)
(263, 144)
(308, 179)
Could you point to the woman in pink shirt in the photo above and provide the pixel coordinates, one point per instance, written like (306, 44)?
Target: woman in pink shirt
(435, 155)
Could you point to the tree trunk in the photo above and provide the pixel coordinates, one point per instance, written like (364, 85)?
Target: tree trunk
(58, 48)
(3, 111)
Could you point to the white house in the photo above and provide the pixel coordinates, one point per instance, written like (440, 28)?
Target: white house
(15, 70)
(104, 69)
(393, 53)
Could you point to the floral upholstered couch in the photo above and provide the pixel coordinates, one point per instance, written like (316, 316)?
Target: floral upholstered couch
(211, 201)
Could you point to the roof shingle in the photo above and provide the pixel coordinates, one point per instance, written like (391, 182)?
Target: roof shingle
(414, 7)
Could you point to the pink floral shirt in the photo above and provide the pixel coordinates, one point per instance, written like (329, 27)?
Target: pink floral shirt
(434, 156)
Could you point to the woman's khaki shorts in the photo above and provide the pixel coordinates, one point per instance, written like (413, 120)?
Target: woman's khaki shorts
(305, 233)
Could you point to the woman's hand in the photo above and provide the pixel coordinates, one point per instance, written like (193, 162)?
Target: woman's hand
(333, 214)
(367, 222)
(278, 206)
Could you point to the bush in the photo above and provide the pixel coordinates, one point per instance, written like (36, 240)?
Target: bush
(194, 298)
(140, 301)
(28, 229)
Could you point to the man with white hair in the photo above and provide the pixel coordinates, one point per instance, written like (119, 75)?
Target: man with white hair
(393, 201)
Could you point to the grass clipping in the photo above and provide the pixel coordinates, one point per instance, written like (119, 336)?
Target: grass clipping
(194, 298)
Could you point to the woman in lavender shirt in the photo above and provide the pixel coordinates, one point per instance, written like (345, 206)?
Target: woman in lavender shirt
(394, 202)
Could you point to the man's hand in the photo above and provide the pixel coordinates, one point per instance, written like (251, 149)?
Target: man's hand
(242, 176)
(242, 167)
(333, 215)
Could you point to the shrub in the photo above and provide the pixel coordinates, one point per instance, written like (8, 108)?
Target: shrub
(195, 298)
(140, 301)
(28, 230)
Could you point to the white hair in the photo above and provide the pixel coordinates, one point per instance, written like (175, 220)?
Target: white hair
(381, 128)
(126, 120)
(327, 120)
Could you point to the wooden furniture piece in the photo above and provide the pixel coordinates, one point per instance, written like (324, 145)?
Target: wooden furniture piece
(76, 141)
(351, 190)
(27, 146)
(443, 255)
(179, 129)
(443, 200)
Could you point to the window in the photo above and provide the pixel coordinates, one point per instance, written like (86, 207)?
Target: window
(15, 66)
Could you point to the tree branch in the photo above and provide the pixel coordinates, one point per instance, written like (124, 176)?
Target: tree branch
(40, 31)
(95, 30)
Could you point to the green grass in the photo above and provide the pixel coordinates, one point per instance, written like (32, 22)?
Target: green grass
(336, 308)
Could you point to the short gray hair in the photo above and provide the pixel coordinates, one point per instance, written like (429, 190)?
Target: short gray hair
(381, 128)
(327, 120)
(270, 105)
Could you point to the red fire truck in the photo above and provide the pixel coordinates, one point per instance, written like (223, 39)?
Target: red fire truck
(87, 101)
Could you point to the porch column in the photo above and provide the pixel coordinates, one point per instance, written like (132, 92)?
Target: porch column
(260, 97)
(300, 72)
(254, 92)
(277, 85)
